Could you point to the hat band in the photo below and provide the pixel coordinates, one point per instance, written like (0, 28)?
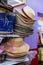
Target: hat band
(23, 30)
(22, 34)
(26, 28)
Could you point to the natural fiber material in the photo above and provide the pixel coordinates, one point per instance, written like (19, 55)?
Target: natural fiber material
(29, 12)
(6, 6)
(16, 47)
(16, 42)
(16, 55)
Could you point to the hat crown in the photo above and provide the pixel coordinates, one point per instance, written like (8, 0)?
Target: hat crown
(29, 11)
(16, 42)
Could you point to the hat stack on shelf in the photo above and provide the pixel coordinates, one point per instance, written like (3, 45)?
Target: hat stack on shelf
(4, 4)
(19, 23)
(24, 21)
(16, 47)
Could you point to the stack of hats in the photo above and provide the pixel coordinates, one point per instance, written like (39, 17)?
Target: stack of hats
(24, 21)
(16, 47)
(7, 19)
(4, 4)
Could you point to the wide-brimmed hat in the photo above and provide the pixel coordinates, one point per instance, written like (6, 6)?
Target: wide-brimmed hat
(19, 47)
(26, 12)
(29, 12)
(19, 11)
(20, 20)
(23, 30)
(16, 55)
(15, 42)
(2, 4)
(25, 20)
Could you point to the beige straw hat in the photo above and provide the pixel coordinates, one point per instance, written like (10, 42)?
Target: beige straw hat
(19, 20)
(15, 42)
(2, 10)
(19, 11)
(29, 12)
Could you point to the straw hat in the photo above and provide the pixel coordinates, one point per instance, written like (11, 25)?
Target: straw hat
(16, 55)
(25, 20)
(29, 12)
(4, 8)
(18, 48)
(15, 42)
(19, 11)
(22, 30)
(19, 20)
(17, 51)
(22, 34)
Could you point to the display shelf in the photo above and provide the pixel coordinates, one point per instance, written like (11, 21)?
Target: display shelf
(10, 61)
(13, 35)
(9, 35)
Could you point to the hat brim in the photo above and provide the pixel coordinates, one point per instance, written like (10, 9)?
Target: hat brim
(22, 49)
(25, 11)
(5, 7)
(21, 13)
(16, 55)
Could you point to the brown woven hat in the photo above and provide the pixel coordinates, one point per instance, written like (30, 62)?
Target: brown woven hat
(17, 51)
(18, 48)
(15, 42)
(5, 9)
(6, 6)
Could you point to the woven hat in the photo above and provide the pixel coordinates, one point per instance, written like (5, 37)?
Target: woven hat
(5, 9)
(15, 42)
(18, 48)
(29, 12)
(19, 20)
(6, 6)
(19, 11)
(23, 30)
(16, 55)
